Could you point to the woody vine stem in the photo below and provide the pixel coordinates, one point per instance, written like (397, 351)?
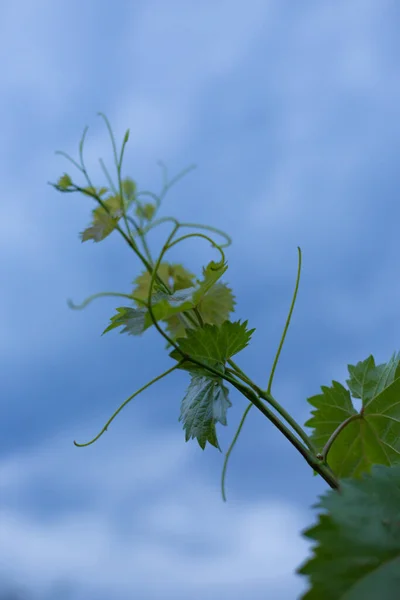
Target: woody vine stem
(108, 215)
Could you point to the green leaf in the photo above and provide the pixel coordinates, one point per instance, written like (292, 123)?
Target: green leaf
(136, 320)
(164, 306)
(105, 219)
(102, 226)
(205, 403)
(145, 211)
(181, 277)
(193, 295)
(64, 182)
(214, 308)
(126, 137)
(217, 304)
(129, 190)
(213, 345)
(357, 556)
(89, 191)
(175, 328)
(132, 318)
(211, 274)
(173, 275)
(371, 438)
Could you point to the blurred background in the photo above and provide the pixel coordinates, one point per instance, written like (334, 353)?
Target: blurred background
(290, 110)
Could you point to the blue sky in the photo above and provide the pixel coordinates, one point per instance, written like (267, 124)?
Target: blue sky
(290, 111)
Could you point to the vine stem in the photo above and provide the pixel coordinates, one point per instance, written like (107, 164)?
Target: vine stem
(335, 434)
(127, 239)
(265, 395)
(311, 459)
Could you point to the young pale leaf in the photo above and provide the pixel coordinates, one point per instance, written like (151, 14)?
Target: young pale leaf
(104, 221)
(373, 437)
(169, 305)
(145, 211)
(191, 296)
(211, 274)
(357, 556)
(175, 328)
(128, 190)
(64, 182)
(186, 295)
(173, 275)
(103, 225)
(205, 403)
(92, 191)
(181, 277)
(214, 308)
(217, 304)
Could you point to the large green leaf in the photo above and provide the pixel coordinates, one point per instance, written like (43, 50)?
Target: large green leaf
(205, 403)
(367, 380)
(373, 435)
(357, 556)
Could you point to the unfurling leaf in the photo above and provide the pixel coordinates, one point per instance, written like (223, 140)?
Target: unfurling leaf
(64, 182)
(357, 556)
(105, 220)
(136, 320)
(93, 192)
(205, 403)
(126, 137)
(145, 211)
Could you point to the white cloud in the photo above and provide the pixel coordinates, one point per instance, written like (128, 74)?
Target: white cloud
(118, 539)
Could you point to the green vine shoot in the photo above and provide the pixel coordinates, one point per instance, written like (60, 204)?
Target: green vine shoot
(357, 453)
